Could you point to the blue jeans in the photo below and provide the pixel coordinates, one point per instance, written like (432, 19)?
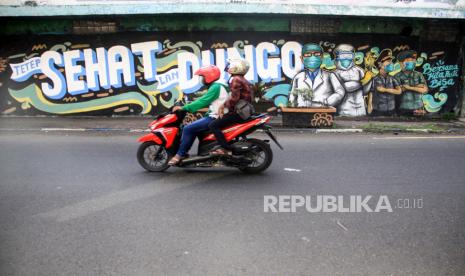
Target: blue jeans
(190, 132)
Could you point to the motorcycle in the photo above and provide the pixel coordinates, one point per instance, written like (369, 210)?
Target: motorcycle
(250, 155)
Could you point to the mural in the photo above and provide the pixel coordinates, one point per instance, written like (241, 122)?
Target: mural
(140, 74)
(382, 88)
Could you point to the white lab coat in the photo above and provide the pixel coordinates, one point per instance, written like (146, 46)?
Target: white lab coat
(353, 103)
(327, 90)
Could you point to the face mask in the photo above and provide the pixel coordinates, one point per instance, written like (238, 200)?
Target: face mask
(409, 65)
(202, 80)
(312, 62)
(389, 68)
(345, 63)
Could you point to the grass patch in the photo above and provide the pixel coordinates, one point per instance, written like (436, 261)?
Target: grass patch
(380, 127)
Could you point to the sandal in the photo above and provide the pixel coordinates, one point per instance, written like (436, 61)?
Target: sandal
(175, 160)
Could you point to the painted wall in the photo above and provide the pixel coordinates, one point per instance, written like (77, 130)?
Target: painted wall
(209, 23)
(396, 8)
(141, 73)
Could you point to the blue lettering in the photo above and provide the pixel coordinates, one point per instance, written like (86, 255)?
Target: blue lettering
(58, 90)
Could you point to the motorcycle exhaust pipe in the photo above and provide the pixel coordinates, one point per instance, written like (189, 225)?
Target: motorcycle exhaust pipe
(199, 159)
(196, 159)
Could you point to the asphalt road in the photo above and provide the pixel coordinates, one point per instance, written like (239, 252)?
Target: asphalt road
(79, 204)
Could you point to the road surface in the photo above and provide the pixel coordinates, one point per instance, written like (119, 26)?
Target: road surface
(79, 204)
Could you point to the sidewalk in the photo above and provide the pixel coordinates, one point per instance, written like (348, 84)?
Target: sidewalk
(139, 124)
(397, 125)
(74, 123)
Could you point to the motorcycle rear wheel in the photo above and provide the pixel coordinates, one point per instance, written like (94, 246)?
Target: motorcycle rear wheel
(262, 157)
(153, 157)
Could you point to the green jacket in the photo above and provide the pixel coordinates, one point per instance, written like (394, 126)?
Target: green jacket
(212, 94)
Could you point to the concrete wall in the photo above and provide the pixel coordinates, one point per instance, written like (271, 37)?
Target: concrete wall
(190, 22)
(399, 8)
(146, 63)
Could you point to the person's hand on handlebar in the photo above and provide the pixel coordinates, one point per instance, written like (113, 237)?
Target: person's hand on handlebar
(176, 108)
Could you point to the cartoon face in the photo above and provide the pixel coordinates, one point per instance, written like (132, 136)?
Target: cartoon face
(345, 59)
(408, 64)
(312, 59)
(387, 65)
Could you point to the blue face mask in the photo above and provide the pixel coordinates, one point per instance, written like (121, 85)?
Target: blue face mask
(345, 63)
(409, 65)
(389, 68)
(312, 62)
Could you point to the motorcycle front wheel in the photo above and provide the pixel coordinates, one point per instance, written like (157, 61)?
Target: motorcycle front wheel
(261, 155)
(153, 157)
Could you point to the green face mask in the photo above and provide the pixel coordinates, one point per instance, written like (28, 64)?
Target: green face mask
(389, 68)
(345, 63)
(409, 65)
(312, 62)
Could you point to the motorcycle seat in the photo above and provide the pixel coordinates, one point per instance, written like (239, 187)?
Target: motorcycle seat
(253, 117)
(256, 116)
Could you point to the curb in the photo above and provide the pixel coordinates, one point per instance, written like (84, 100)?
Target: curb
(276, 129)
(340, 130)
(56, 129)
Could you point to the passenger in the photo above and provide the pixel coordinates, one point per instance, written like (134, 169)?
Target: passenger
(239, 104)
(214, 98)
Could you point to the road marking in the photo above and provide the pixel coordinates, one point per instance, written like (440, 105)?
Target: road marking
(20, 129)
(62, 129)
(341, 225)
(156, 187)
(58, 129)
(140, 130)
(417, 137)
(291, 170)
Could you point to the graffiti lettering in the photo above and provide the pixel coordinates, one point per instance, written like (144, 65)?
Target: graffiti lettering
(168, 80)
(440, 75)
(80, 77)
(147, 50)
(268, 68)
(24, 70)
(107, 67)
(96, 71)
(113, 68)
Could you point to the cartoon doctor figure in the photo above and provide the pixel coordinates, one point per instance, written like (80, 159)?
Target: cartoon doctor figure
(350, 76)
(314, 87)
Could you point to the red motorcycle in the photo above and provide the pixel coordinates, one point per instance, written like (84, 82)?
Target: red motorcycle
(250, 155)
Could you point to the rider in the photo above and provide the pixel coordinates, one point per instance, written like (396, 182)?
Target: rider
(240, 90)
(214, 98)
